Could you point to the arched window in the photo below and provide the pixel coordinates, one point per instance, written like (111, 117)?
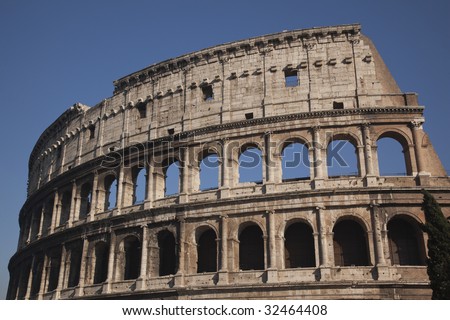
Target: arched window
(65, 207)
(23, 281)
(38, 267)
(250, 165)
(251, 248)
(101, 254)
(75, 263)
(85, 200)
(350, 244)
(391, 157)
(48, 214)
(299, 246)
(140, 186)
(342, 159)
(405, 242)
(207, 252)
(110, 192)
(36, 222)
(209, 172)
(55, 264)
(132, 258)
(172, 179)
(167, 253)
(295, 162)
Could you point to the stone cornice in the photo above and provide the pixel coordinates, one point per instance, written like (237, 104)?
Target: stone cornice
(307, 38)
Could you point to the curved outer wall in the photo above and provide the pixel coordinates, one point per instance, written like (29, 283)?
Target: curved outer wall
(223, 100)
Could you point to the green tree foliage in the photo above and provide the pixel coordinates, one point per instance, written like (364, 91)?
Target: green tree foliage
(438, 230)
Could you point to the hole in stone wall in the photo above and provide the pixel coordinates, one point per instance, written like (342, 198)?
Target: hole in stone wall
(338, 105)
(249, 115)
(291, 78)
(208, 93)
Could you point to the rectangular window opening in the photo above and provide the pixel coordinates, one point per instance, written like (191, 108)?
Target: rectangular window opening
(291, 77)
(91, 132)
(249, 116)
(208, 93)
(171, 131)
(338, 105)
(142, 109)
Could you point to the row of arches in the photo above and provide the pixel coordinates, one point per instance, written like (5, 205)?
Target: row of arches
(350, 248)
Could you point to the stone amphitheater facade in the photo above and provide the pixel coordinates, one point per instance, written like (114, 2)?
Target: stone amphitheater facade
(85, 234)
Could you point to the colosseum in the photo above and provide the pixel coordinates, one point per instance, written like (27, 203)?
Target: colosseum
(179, 185)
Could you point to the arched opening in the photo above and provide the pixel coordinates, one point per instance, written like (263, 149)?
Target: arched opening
(172, 179)
(251, 248)
(250, 165)
(209, 172)
(132, 258)
(38, 267)
(140, 185)
(299, 246)
(350, 244)
(75, 263)
(405, 242)
(23, 281)
(110, 192)
(207, 252)
(66, 200)
(101, 254)
(85, 200)
(167, 253)
(55, 264)
(36, 221)
(295, 162)
(342, 159)
(48, 214)
(392, 157)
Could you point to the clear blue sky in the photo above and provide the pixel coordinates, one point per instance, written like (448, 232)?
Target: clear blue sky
(56, 53)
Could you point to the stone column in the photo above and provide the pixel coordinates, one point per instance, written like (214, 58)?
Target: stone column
(30, 279)
(56, 213)
(225, 166)
(368, 156)
(120, 187)
(270, 164)
(141, 282)
(41, 222)
(73, 203)
(84, 259)
(380, 261)
(323, 243)
(111, 261)
(179, 277)
(43, 284)
(272, 273)
(318, 163)
(224, 243)
(62, 271)
(94, 198)
(148, 203)
(416, 126)
(185, 172)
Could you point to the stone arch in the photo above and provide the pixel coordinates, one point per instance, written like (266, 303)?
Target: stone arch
(299, 251)
(251, 247)
(167, 253)
(110, 188)
(250, 162)
(403, 140)
(85, 200)
(48, 215)
(54, 257)
(295, 161)
(139, 180)
(340, 160)
(209, 161)
(207, 252)
(129, 257)
(406, 243)
(100, 263)
(171, 168)
(74, 250)
(66, 202)
(350, 242)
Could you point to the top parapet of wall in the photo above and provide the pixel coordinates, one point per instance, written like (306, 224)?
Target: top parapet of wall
(301, 37)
